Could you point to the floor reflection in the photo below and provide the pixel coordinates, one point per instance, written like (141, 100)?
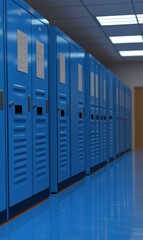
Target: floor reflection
(107, 205)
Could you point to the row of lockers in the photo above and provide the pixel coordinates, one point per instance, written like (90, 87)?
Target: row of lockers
(62, 113)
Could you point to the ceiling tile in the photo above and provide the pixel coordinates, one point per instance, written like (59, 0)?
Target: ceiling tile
(113, 9)
(75, 22)
(122, 30)
(141, 27)
(96, 47)
(100, 2)
(64, 12)
(137, 1)
(126, 47)
(139, 8)
(53, 3)
(93, 40)
(84, 32)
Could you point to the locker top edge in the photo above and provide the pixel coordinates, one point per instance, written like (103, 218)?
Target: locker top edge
(63, 35)
(33, 12)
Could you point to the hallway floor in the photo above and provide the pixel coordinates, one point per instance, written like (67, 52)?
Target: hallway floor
(108, 205)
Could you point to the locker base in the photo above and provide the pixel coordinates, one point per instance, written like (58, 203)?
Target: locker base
(111, 159)
(70, 181)
(3, 217)
(119, 155)
(26, 204)
(97, 167)
(128, 150)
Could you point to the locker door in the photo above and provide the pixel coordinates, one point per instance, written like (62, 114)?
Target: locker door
(77, 111)
(101, 116)
(40, 106)
(92, 116)
(19, 93)
(104, 117)
(111, 128)
(2, 122)
(63, 109)
(97, 95)
(117, 119)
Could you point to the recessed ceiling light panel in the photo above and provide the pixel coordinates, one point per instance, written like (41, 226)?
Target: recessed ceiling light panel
(126, 39)
(117, 20)
(131, 53)
(140, 18)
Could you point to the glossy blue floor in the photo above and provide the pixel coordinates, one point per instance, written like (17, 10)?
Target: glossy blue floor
(107, 205)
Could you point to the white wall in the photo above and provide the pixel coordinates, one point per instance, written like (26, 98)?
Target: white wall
(132, 74)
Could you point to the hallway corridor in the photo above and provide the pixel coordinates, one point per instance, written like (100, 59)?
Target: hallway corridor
(108, 205)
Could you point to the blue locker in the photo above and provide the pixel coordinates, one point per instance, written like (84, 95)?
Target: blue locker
(105, 156)
(90, 109)
(124, 117)
(120, 114)
(19, 92)
(125, 111)
(130, 119)
(114, 116)
(103, 113)
(2, 122)
(67, 121)
(110, 116)
(60, 161)
(40, 120)
(24, 168)
(117, 118)
(97, 103)
(121, 118)
(77, 110)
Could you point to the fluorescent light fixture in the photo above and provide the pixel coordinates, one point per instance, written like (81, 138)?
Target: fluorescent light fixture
(117, 20)
(126, 39)
(131, 53)
(140, 18)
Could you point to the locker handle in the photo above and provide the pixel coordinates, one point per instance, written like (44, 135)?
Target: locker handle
(104, 117)
(92, 116)
(101, 117)
(62, 112)
(1, 99)
(80, 115)
(39, 110)
(110, 117)
(18, 109)
(97, 117)
(11, 103)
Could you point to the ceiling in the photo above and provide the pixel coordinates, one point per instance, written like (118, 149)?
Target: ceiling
(77, 18)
